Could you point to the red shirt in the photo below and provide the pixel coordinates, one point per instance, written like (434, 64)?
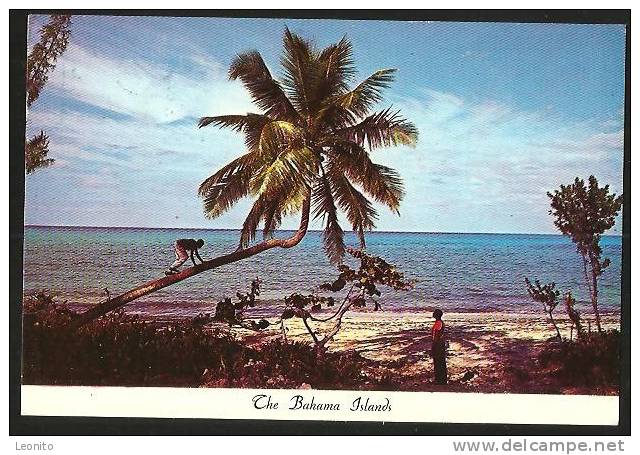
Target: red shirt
(437, 331)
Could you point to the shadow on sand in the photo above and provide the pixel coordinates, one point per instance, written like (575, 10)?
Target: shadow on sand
(479, 359)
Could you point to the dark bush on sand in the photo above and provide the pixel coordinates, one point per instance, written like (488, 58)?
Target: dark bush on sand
(292, 365)
(117, 349)
(120, 349)
(590, 361)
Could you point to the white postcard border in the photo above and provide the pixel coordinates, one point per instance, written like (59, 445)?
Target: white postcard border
(438, 407)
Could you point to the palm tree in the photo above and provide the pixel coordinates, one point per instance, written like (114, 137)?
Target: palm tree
(307, 152)
(310, 143)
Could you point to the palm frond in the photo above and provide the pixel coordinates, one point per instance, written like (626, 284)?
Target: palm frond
(361, 99)
(336, 69)
(222, 174)
(343, 110)
(278, 135)
(288, 202)
(261, 132)
(292, 167)
(251, 125)
(250, 225)
(382, 183)
(235, 122)
(272, 218)
(301, 73)
(227, 186)
(333, 117)
(359, 210)
(324, 207)
(266, 92)
(270, 209)
(382, 129)
(215, 203)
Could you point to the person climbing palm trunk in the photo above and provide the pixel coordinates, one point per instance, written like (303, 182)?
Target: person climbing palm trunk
(184, 249)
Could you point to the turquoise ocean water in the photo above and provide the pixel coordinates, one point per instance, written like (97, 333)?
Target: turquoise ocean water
(456, 272)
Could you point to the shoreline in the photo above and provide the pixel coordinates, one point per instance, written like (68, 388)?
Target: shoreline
(500, 351)
(271, 308)
(488, 352)
(364, 327)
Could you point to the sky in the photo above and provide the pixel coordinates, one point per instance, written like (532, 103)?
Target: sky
(505, 113)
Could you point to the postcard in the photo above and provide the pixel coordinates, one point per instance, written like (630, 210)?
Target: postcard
(289, 218)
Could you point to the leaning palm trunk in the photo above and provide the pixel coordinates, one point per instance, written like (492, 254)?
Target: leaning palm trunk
(309, 145)
(155, 285)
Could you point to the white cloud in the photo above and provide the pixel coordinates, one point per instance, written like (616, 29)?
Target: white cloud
(154, 93)
(491, 165)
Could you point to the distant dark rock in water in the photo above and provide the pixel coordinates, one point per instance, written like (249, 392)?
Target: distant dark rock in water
(469, 375)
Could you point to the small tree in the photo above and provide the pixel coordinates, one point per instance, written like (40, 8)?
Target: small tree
(574, 316)
(54, 37)
(234, 313)
(36, 151)
(363, 287)
(548, 296)
(585, 213)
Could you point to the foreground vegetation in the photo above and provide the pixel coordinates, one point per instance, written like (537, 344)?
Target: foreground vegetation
(590, 361)
(583, 212)
(120, 349)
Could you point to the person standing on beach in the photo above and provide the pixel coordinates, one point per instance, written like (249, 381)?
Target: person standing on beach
(185, 248)
(439, 348)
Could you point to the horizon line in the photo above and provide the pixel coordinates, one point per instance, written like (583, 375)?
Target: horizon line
(293, 230)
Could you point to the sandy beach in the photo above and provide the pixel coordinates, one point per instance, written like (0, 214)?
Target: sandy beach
(499, 349)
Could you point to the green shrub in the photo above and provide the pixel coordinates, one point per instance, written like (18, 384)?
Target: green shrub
(291, 365)
(120, 349)
(592, 360)
(116, 349)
